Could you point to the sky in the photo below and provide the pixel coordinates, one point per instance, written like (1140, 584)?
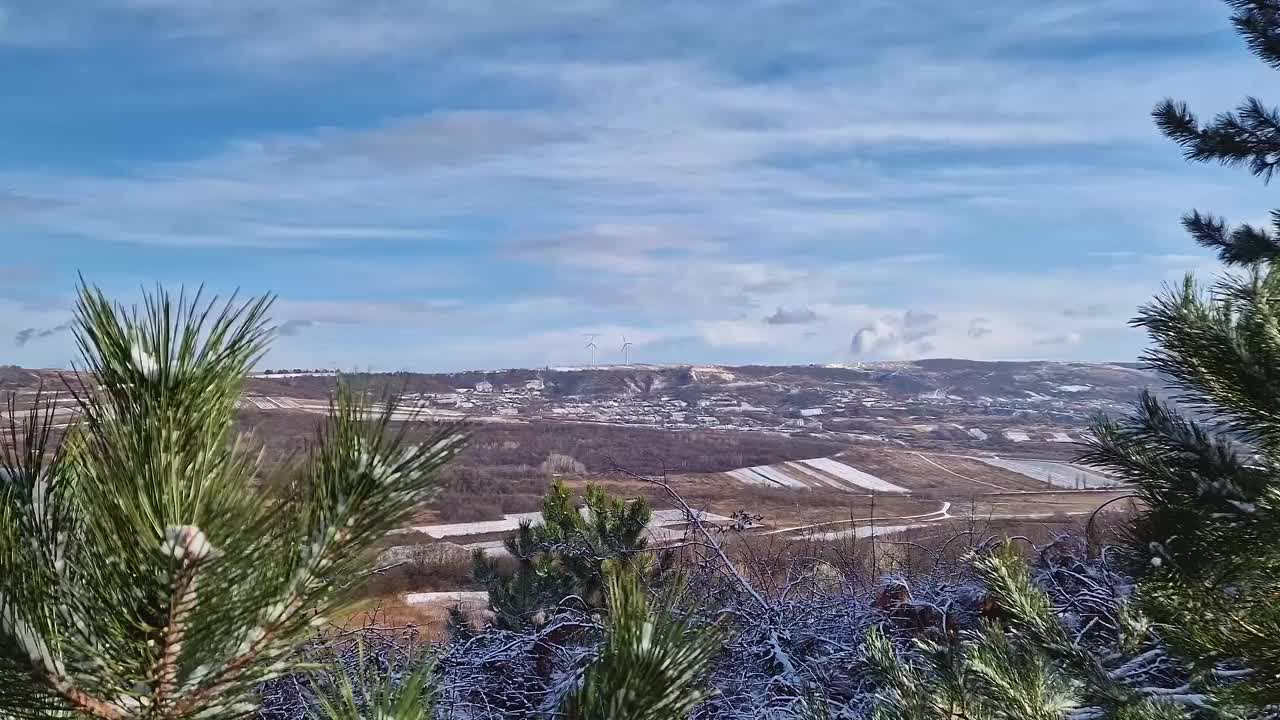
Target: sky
(454, 184)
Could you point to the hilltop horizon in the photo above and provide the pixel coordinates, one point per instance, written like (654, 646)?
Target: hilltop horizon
(265, 370)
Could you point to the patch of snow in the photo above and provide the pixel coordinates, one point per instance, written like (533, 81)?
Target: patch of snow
(671, 517)
(1060, 437)
(867, 531)
(704, 372)
(506, 524)
(977, 433)
(1074, 388)
(1017, 435)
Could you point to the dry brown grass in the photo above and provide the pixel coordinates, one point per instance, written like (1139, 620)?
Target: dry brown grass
(425, 568)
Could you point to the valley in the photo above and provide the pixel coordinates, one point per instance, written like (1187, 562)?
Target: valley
(812, 454)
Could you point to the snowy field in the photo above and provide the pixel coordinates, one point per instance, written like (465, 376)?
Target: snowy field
(750, 477)
(1057, 474)
(767, 476)
(814, 476)
(853, 476)
(808, 474)
(778, 477)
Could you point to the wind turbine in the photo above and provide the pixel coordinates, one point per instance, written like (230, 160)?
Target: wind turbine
(591, 344)
(626, 351)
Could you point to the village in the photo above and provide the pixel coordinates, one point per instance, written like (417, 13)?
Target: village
(862, 412)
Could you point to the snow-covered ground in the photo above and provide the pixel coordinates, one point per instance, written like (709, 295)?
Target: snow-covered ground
(659, 527)
(867, 531)
(853, 476)
(807, 474)
(668, 517)
(1017, 435)
(779, 477)
(1058, 474)
(975, 432)
(1060, 437)
(465, 598)
(815, 477)
(750, 477)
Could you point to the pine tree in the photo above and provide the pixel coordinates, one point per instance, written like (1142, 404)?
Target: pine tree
(145, 569)
(1205, 546)
(564, 555)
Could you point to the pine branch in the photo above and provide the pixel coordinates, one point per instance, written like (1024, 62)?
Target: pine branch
(1242, 245)
(1249, 136)
(1258, 21)
(652, 666)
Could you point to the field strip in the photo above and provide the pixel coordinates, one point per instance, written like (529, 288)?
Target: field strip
(450, 597)
(943, 468)
(506, 524)
(853, 475)
(745, 475)
(820, 477)
(775, 475)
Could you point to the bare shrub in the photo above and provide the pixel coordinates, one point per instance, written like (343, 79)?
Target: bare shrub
(558, 464)
(419, 568)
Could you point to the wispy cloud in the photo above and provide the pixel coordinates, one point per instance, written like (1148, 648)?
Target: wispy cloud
(978, 328)
(792, 316)
(474, 174)
(289, 328)
(26, 335)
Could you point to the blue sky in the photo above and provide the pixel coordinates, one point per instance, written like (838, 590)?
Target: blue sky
(461, 184)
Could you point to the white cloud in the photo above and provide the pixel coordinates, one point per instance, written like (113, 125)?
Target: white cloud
(903, 169)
